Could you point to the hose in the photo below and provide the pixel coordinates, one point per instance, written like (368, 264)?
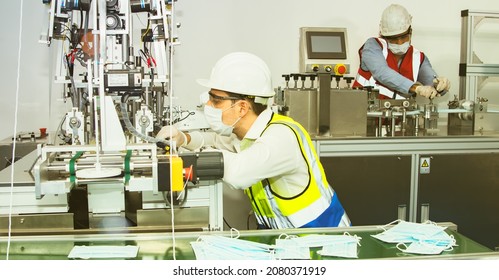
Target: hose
(131, 128)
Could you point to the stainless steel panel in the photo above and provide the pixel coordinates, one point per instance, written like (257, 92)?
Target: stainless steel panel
(348, 112)
(302, 107)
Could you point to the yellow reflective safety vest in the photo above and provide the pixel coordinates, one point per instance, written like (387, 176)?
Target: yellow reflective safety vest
(316, 206)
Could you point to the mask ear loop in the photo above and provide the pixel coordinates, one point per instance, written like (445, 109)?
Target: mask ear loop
(400, 244)
(285, 235)
(354, 236)
(451, 246)
(430, 223)
(389, 224)
(234, 230)
(238, 119)
(448, 249)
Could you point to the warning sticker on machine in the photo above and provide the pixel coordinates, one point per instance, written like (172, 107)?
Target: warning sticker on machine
(424, 167)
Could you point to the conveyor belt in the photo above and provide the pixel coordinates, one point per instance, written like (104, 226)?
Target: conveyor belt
(159, 245)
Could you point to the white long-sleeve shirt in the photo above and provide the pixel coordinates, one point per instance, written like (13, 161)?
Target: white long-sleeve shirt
(275, 154)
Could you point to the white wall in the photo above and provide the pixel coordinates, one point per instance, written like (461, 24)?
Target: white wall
(34, 79)
(210, 29)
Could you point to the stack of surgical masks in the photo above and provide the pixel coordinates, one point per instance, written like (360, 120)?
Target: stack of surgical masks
(426, 238)
(293, 247)
(212, 247)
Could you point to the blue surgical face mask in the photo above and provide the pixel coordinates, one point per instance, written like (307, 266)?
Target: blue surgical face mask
(423, 248)
(399, 49)
(213, 247)
(214, 118)
(345, 247)
(425, 238)
(293, 247)
(409, 232)
(289, 249)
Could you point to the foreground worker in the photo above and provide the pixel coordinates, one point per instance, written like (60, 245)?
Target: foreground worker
(269, 156)
(391, 64)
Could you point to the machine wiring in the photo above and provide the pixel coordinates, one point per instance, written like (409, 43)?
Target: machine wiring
(15, 131)
(147, 28)
(132, 129)
(76, 53)
(226, 223)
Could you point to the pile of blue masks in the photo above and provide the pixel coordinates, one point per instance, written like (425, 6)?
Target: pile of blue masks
(417, 238)
(298, 248)
(212, 247)
(287, 247)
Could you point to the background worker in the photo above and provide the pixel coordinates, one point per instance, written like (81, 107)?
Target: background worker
(391, 64)
(269, 156)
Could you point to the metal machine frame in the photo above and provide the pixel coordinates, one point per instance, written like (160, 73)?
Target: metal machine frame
(106, 161)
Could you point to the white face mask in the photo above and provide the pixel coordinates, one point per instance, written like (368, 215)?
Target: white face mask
(425, 238)
(399, 49)
(293, 247)
(214, 118)
(423, 248)
(213, 247)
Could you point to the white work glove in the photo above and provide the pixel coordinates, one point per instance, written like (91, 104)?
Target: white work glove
(426, 91)
(172, 133)
(441, 84)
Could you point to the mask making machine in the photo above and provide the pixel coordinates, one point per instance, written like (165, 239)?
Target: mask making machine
(103, 169)
(321, 98)
(328, 110)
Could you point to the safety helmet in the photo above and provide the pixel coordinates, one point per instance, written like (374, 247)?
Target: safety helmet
(394, 20)
(242, 73)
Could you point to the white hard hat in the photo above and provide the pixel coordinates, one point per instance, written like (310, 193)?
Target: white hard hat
(241, 73)
(394, 20)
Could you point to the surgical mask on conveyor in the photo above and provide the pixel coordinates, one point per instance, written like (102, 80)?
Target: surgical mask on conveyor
(409, 232)
(293, 247)
(424, 248)
(346, 247)
(212, 247)
(427, 236)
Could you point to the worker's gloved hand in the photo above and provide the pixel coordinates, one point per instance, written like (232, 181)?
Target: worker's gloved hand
(172, 133)
(426, 91)
(441, 84)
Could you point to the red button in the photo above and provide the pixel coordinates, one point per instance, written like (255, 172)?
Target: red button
(340, 69)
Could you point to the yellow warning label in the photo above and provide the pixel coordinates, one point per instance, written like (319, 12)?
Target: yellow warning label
(425, 164)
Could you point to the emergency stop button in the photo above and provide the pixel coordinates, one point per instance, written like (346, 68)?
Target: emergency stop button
(340, 69)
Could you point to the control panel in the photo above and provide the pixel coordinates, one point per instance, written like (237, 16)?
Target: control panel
(324, 50)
